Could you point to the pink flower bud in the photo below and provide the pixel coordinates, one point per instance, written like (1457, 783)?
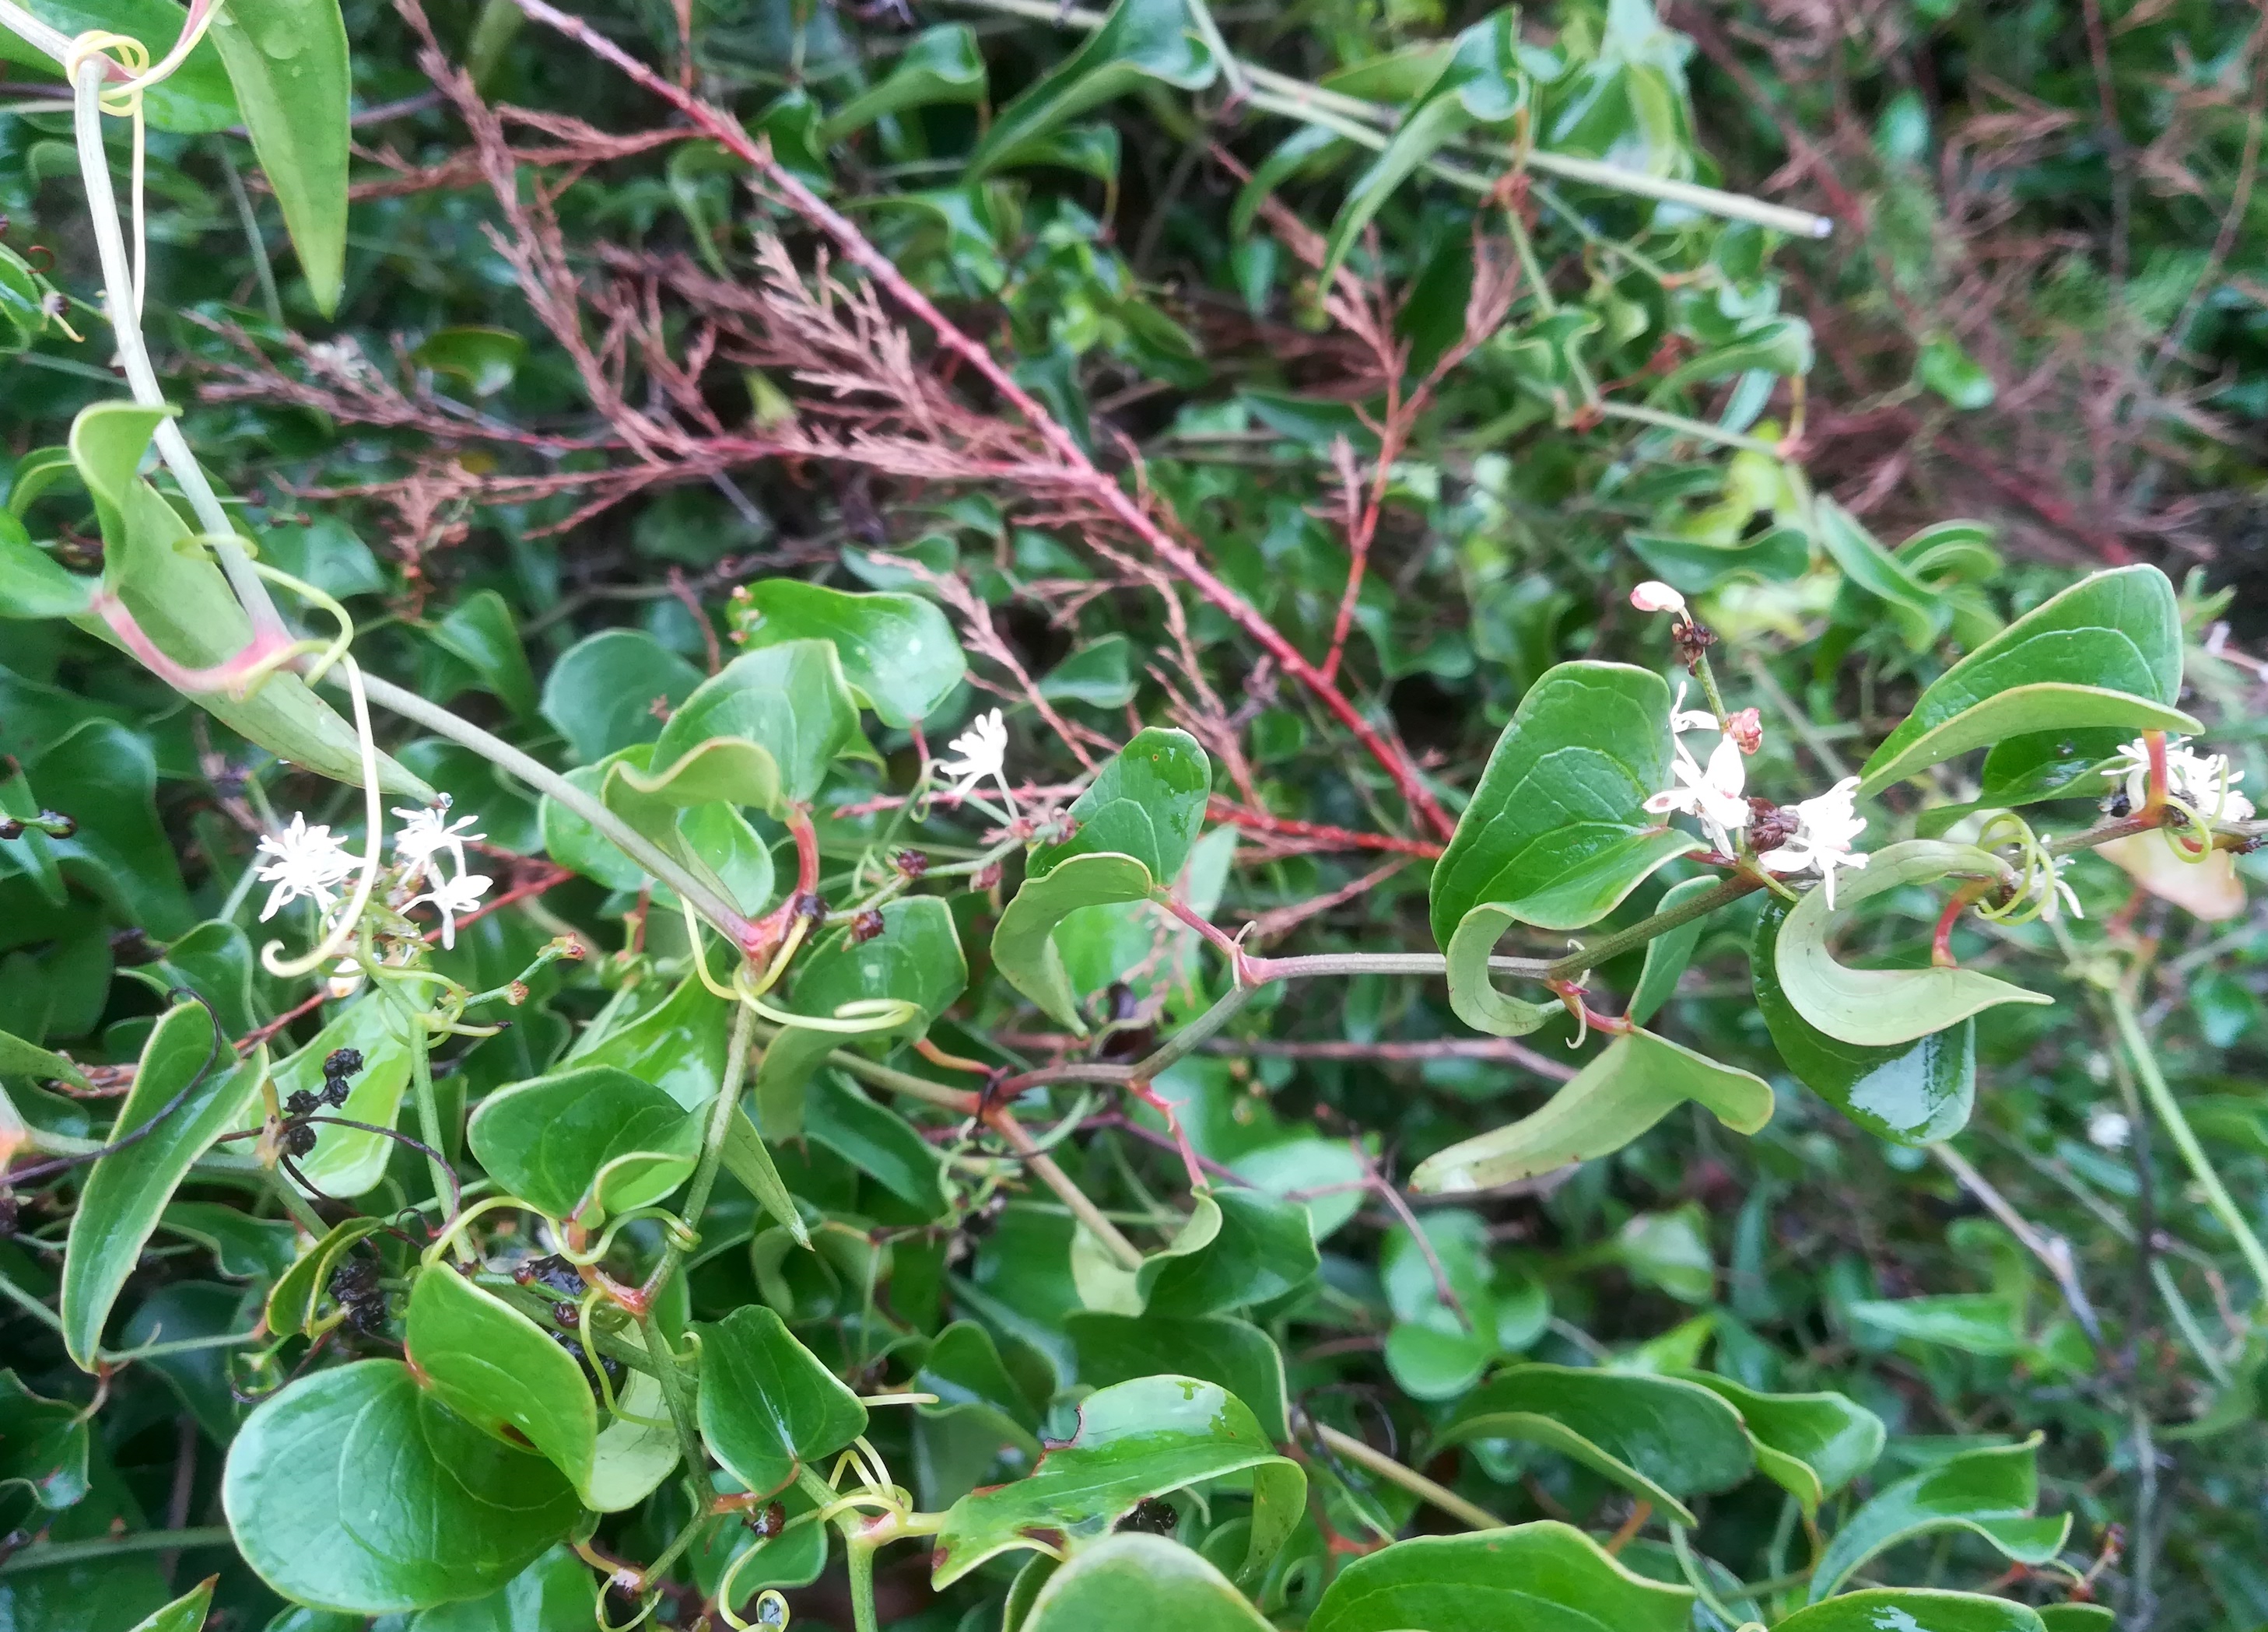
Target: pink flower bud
(1655, 596)
(1747, 728)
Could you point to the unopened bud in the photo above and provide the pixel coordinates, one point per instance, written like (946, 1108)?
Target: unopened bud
(1746, 727)
(1655, 596)
(985, 877)
(516, 994)
(865, 926)
(911, 863)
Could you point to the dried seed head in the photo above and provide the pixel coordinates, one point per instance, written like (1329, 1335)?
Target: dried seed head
(865, 926)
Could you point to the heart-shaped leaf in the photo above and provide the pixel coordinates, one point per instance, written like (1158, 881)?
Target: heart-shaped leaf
(1147, 802)
(790, 700)
(1555, 834)
(1915, 1609)
(188, 1089)
(481, 632)
(1811, 1446)
(349, 1161)
(44, 1451)
(1023, 942)
(916, 961)
(899, 653)
(1636, 1081)
(1141, 42)
(495, 1368)
(1236, 1355)
(287, 62)
(2105, 652)
(963, 1367)
(1135, 1440)
(1437, 1350)
(1877, 1008)
(1990, 1493)
(679, 1045)
(1660, 1436)
(876, 1140)
(1547, 1577)
(1910, 1093)
(939, 65)
(614, 689)
(354, 1491)
(768, 1405)
(1137, 1583)
(1239, 1248)
(1481, 85)
(584, 1143)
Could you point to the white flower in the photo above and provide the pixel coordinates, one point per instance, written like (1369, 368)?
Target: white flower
(1682, 718)
(1655, 596)
(2060, 892)
(309, 863)
(1712, 792)
(983, 750)
(346, 978)
(2204, 781)
(461, 894)
(2107, 1130)
(1825, 828)
(424, 835)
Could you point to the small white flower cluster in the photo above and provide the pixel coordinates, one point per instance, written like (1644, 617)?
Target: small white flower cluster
(310, 864)
(2204, 781)
(983, 751)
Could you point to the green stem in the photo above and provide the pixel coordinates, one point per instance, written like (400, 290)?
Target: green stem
(884, 1077)
(1409, 1479)
(1690, 1564)
(1593, 954)
(429, 1106)
(858, 1564)
(720, 1122)
(2169, 1111)
(303, 1212)
(53, 1554)
(1700, 431)
(679, 1394)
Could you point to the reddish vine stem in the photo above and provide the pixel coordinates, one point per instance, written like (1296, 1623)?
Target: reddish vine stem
(1106, 493)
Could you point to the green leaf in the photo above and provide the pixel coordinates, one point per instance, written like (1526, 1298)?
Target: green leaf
(481, 630)
(1990, 1493)
(916, 959)
(746, 1159)
(940, 64)
(1135, 1440)
(1556, 834)
(767, 1404)
(1811, 1446)
(185, 1613)
(877, 1140)
(1976, 1323)
(1435, 1351)
(1876, 1008)
(126, 1190)
(287, 62)
(195, 100)
(485, 359)
(1914, 1609)
(1910, 1093)
(25, 1062)
(495, 1368)
(348, 1161)
(178, 596)
(790, 700)
(1141, 42)
(1023, 942)
(1147, 802)
(1695, 566)
(586, 1141)
(44, 1450)
(1481, 84)
(1543, 1577)
(1100, 674)
(1137, 1583)
(553, 1594)
(1639, 1079)
(899, 654)
(1669, 1251)
(1942, 367)
(1248, 1248)
(603, 693)
(104, 773)
(679, 1045)
(353, 1490)
(2067, 1618)
(32, 585)
(1667, 955)
(1658, 1436)
(244, 1248)
(2105, 652)
(963, 1367)
(1236, 1355)
(294, 1301)
(1918, 612)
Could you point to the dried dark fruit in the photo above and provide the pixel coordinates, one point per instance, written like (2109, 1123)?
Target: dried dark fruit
(551, 1272)
(865, 926)
(1692, 642)
(130, 946)
(911, 863)
(768, 1520)
(1151, 1517)
(1771, 825)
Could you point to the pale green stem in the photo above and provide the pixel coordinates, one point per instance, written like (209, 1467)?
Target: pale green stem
(250, 222)
(1409, 1479)
(53, 1554)
(429, 1106)
(678, 1394)
(1700, 431)
(2169, 1111)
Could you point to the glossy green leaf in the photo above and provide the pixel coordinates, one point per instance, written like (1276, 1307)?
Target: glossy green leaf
(1480, 85)
(1811, 1446)
(916, 959)
(244, 1248)
(1989, 1492)
(553, 1594)
(963, 1367)
(1147, 802)
(294, 1302)
(1877, 1008)
(940, 64)
(1777, 555)
(876, 1140)
(1137, 1583)
(746, 1159)
(679, 1045)
(1135, 1440)
(1023, 942)
(584, 1143)
(354, 1491)
(1141, 43)
(177, 593)
(767, 1404)
(790, 700)
(1636, 1081)
(2068, 1618)
(126, 1190)
(105, 773)
(1239, 1248)
(1555, 835)
(2105, 652)
(614, 689)
(185, 1613)
(485, 359)
(1942, 367)
(481, 631)
(1436, 1351)
(1976, 1323)
(1658, 1436)
(495, 1368)
(1236, 1355)
(1910, 1093)
(287, 62)
(1666, 955)
(1918, 611)
(1913, 1609)
(1100, 674)
(43, 1449)
(1536, 1577)
(27, 1063)
(195, 100)
(348, 1161)
(32, 585)
(899, 654)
